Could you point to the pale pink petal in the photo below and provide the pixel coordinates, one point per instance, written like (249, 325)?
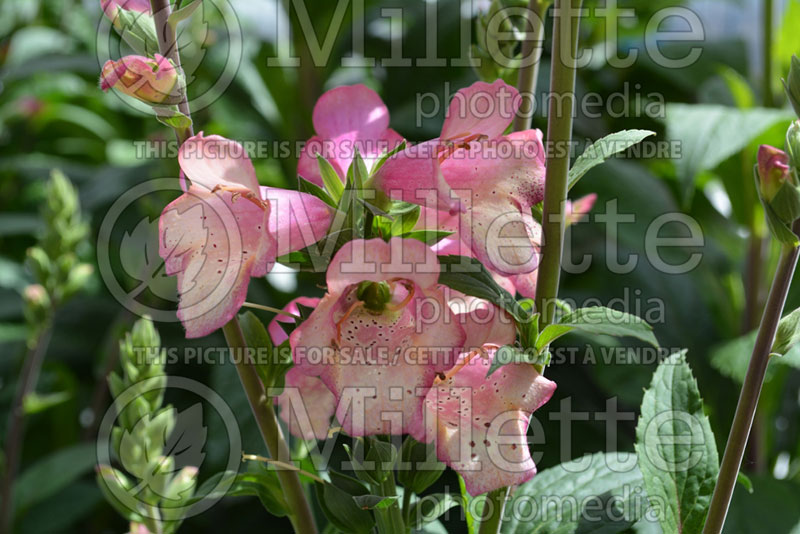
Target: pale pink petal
(278, 334)
(214, 243)
(485, 323)
(306, 405)
(482, 108)
(214, 161)
(350, 109)
(480, 423)
(501, 189)
(307, 164)
(296, 220)
(376, 260)
(525, 284)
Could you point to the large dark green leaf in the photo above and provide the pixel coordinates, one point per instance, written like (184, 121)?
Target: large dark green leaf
(676, 448)
(602, 492)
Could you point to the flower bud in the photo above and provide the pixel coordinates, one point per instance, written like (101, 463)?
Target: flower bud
(792, 85)
(150, 80)
(773, 170)
(111, 8)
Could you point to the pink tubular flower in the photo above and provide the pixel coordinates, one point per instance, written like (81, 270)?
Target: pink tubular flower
(773, 170)
(150, 80)
(225, 229)
(315, 399)
(347, 118)
(491, 181)
(480, 423)
(379, 335)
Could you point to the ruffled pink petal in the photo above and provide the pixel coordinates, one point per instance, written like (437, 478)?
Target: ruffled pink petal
(482, 108)
(296, 220)
(480, 424)
(214, 161)
(376, 260)
(306, 405)
(278, 334)
(414, 175)
(485, 323)
(350, 110)
(502, 180)
(214, 243)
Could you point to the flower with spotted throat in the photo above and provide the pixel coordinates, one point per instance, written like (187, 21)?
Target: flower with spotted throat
(226, 228)
(380, 335)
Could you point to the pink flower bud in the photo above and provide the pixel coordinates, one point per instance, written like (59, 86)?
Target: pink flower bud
(111, 7)
(773, 170)
(149, 80)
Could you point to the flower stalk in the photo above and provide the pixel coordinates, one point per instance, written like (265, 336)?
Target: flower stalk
(531, 47)
(264, 413)
(751, 389)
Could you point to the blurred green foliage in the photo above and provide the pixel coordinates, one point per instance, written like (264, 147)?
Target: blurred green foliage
(52, 115)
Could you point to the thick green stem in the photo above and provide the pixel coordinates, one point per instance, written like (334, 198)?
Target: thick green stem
(559, 141)
(493, 511)
(390, 520)
(531, 48)
(264, 413)
(751, 389)
(407, 508)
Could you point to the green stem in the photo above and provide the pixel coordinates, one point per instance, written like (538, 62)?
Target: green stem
(559, 141)
(532, 46)
(264, 413)
(407, 508)
(390, 520)
(751, 390)
(767, 30)
(168, 47)
(496, 501)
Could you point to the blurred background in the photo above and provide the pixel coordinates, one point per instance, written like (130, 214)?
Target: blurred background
(709, 118)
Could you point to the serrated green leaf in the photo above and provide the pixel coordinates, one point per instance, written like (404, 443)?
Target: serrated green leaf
(676, 448)
(611, 322)
(304, 186)
(601, 149)
(607, 487)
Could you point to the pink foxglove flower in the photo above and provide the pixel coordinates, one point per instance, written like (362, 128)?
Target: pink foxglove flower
(491, 181)
(316, 400)
(150, 80)
(345, 119)
(480, 423)
(225, 229)
(379, 335)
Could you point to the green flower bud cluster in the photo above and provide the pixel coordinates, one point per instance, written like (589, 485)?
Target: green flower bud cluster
(150, 492)
(54, 261)
(374, 295)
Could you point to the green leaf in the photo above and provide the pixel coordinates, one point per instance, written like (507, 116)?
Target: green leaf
(278, 362)
(507, 355)
(330, 178)
(263, 484)
(610, 322)
(745, 481)
(550, 334)
(602, 149)
(676, 448)
(788, 333)
(709, 134)
(430, 507)
(602, 492)
(429, 237)
(422, 469)
(174, 119)
(387, 155)
(184, 12)
(304, 186)
(374, 502)
(53, 473)
(770, 508)
(342, 511)
(470, 277)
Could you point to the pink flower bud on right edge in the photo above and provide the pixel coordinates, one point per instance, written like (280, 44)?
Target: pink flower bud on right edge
(773, 170)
